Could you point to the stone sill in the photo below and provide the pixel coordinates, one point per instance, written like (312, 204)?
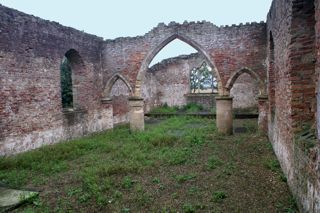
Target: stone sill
(203, 114)
(201, 94)
(70, 111)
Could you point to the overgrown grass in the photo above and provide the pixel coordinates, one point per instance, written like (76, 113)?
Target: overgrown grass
(192, 108)
(178, 164)
(124, 152)
(188, 108)
(165, 109)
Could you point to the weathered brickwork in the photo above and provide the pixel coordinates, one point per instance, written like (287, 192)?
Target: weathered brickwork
(291, 82)
(31, 114)
(227, 49)
(282, 55)
(245, 91)
(120, 94)
(207, 100)
(170, 83)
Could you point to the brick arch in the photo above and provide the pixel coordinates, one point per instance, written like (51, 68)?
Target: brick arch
(254, 75)
(74, 57)
(147, 60)
(112, 81)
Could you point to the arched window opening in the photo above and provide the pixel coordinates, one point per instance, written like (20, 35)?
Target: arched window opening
(66, 84)
(202, 80)
(173, 49)
(168, 83)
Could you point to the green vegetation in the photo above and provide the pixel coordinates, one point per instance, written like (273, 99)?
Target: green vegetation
(165, 109)
(178, 164)
(218, 196)
(189, 108)
(306, 138)
(184, 178)
(202, 79)
(66, 84)
(192, 108)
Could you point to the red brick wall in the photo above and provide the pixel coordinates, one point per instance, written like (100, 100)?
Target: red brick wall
(291, 81)
(229, 48)
(120, 94)
(31, 51)
(169, 82)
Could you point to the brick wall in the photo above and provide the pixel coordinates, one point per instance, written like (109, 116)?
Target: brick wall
(291, 81)
(245, 91)
(170, 83)
(31, 114)
(171, 79)
(120, 94)
(285, 51)
(208, 101)
(31, 51)
(227, 48)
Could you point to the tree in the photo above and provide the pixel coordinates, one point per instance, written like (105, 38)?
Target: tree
(201, 78)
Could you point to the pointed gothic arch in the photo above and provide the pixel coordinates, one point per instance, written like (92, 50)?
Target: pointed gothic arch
(254, 75)
(112, 81)
(157, 49)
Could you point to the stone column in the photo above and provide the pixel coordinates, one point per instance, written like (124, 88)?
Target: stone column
(224, 114)
(107, 113)
(263, 113)
(136, 114)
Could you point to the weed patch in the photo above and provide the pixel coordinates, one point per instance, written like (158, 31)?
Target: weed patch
(176, 164)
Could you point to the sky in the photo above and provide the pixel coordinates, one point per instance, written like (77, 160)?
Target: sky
(120, 18)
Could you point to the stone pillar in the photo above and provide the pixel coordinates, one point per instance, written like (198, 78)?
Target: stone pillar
(224, 114)
(107, 113)
(263, 113)
(136, 114)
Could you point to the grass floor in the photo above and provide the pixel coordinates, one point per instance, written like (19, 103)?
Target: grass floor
(176, 165)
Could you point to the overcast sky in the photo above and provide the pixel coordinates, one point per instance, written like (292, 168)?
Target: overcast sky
(119, 18)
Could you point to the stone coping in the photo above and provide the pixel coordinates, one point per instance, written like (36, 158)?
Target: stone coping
(201, 94)
(227, 98)
(262, 97)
